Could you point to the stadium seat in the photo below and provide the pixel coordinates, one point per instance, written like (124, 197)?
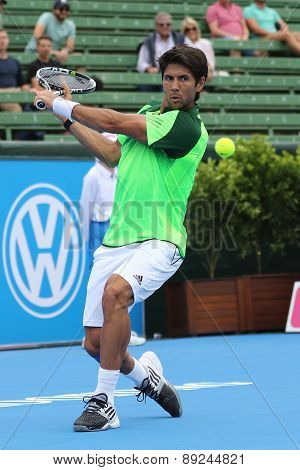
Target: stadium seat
(128, 61)
(108, 34)
(211, 101)
(130, 43)
(216, 123)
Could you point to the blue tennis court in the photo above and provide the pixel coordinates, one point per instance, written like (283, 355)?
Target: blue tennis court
(238, 392)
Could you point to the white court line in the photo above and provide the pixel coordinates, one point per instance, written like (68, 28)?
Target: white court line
(118, 393)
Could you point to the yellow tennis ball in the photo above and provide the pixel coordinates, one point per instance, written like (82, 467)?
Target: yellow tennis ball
(225, 147)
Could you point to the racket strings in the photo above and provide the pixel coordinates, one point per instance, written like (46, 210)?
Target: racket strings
(57, 80)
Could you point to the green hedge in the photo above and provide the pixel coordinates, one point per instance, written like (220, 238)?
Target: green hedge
(249, 204)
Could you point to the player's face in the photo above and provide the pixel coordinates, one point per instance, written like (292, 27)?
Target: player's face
(4, 41)
(180, 87)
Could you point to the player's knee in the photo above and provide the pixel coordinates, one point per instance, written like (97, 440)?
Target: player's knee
(116, 295)
(91, 348)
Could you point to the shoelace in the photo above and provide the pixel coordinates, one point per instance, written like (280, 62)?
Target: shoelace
(93, 404)
(147, 391)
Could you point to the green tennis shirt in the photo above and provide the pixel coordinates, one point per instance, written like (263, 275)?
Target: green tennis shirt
(155, 179)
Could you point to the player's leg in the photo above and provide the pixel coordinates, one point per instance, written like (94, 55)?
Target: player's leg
(152, 264)
(99, 414)
(92, 346)
(149, 265)
(92, 342)
(115, 335)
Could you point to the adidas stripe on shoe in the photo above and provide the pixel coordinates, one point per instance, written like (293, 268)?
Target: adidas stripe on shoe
(157, 387)
(98, 415)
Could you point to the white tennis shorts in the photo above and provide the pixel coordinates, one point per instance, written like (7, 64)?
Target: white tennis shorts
(145, 266)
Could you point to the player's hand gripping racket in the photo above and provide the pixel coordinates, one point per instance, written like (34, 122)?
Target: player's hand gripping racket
(54, 79)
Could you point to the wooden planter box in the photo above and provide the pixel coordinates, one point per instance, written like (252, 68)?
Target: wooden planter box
(247, 303)
(267, 300)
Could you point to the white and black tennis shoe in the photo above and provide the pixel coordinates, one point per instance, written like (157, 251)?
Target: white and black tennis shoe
(98, 415)
(156, 387)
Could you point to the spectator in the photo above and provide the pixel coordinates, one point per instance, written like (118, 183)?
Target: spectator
(43, 48)
(11, 78)
(265, 22)
(2, 3)
(225, 20)
(59, 28)
(157, 43)
(192, 32)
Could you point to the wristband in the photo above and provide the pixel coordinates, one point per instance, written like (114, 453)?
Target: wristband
(68, 123)
(64, 107)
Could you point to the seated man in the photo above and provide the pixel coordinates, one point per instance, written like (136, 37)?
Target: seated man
(266, 23)
(43, 48)
(59, 28)
(11, 78)
(225, 20)
(157, 43)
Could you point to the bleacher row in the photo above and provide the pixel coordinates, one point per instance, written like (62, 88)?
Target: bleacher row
(259, 95)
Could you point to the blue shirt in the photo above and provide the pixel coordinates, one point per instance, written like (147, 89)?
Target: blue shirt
(266, 17)
(10, 73)
(58, 31)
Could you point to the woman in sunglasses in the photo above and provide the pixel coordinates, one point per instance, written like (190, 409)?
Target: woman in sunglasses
(192, 33)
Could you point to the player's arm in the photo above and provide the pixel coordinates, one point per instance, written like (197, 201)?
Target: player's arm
(104, 149)
(131, 125)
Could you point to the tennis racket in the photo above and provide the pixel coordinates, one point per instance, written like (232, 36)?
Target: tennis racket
(54, 78)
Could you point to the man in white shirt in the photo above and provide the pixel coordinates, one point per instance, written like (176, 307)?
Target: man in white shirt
(157, 44)
(96, 201)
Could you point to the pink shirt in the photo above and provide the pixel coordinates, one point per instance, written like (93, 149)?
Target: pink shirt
(228, 19)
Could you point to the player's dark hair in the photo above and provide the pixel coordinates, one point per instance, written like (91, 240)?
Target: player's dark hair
(190, 57)
(43, 37)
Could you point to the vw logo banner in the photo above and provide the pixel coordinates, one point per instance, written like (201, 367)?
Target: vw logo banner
(43, 271)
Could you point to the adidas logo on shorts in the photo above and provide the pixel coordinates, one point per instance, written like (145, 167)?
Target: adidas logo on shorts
(138, 278)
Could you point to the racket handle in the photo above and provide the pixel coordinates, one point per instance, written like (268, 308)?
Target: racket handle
(40, 105)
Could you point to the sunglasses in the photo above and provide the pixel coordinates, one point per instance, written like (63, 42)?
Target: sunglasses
(164, 24)
(190, 29)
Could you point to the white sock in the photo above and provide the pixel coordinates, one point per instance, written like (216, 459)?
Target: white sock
(138, 373)
(107, 381)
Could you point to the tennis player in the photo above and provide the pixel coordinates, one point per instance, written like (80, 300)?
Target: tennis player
(158, 151)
